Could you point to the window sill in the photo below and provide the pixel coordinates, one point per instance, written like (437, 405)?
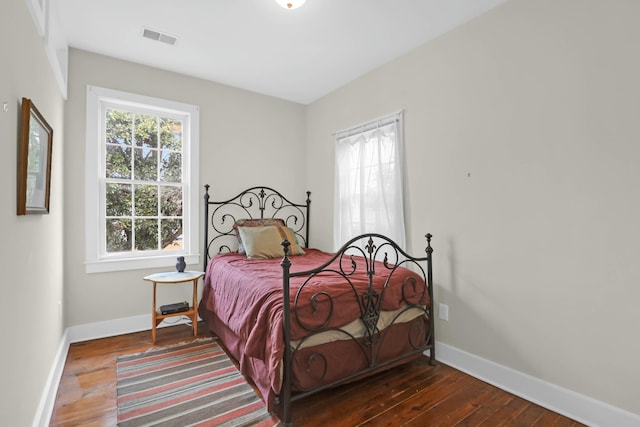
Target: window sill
(121, 264)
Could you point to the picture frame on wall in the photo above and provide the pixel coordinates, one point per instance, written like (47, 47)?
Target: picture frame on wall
(34, 161)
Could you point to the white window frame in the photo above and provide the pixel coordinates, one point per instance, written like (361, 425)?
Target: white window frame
(97, 260)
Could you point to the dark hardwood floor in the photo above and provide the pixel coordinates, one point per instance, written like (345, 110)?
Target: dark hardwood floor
(416, 394)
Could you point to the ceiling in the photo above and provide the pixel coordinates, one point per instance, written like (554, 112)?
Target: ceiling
(298, 55)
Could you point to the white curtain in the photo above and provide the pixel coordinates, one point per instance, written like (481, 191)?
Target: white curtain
(368, 181)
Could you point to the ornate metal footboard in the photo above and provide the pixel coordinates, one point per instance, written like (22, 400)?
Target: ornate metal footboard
(417, 297)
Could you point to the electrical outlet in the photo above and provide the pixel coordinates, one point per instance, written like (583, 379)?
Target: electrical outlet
(443, 312)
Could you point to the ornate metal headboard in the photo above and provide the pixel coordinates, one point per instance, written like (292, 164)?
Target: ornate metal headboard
(253, 203)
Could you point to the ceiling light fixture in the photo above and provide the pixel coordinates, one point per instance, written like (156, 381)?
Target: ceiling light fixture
(290, 4)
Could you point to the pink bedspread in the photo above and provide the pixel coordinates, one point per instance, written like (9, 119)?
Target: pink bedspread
(246, 295)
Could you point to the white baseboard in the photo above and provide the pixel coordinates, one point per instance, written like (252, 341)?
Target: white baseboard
(579, 407)
(48, 399)
(111, 328)
(90, 331)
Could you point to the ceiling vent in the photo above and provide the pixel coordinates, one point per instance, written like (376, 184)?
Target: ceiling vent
(158, 36)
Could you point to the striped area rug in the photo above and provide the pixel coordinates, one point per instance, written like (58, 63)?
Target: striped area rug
(193, 384)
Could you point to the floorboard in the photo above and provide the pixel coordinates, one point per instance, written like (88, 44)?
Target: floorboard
(416, 394)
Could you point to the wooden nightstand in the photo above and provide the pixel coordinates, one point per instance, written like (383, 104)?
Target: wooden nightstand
(174, 277)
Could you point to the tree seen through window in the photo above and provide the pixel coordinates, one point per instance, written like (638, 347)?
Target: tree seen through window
(143, 182)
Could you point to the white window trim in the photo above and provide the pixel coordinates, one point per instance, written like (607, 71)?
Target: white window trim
(95, 262)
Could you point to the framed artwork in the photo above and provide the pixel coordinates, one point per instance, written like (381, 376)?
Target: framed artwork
(34, 161)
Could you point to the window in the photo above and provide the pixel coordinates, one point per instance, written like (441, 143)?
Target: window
(141, 181)
(368, 181)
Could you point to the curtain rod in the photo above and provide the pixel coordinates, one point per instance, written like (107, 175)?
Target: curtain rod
(371, 124)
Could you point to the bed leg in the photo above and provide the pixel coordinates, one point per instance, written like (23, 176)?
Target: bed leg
(432, 320)
(286, 324)
(432, 356)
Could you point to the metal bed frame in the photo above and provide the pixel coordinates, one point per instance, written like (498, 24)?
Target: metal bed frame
(264, 202)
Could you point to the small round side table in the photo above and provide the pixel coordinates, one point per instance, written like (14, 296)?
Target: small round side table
(174, 277)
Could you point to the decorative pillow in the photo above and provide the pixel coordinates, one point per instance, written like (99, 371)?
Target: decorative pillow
(265, 242)
(251, 222)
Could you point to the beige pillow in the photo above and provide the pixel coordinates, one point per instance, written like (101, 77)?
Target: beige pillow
(254, 222)
(265, 242)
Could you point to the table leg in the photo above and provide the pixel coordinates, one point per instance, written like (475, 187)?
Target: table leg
(153, 315)
(194, 319)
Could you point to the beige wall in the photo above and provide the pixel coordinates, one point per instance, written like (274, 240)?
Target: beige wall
(522, 159)
(31, 255)
(246, 139)
(522, 156)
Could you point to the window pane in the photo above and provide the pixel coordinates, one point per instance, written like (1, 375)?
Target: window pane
(146, 131)
(171, 167)
(118, 235)
(146, 164)
(118, 200)
(171, 201)
(118, 162)
(146, 200)
(146, 234)
(118, 127)
(171, 234)
(368, 181)
(140, 183)
(171, 134)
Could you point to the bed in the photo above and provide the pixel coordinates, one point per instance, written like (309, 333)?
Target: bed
(299, 320)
